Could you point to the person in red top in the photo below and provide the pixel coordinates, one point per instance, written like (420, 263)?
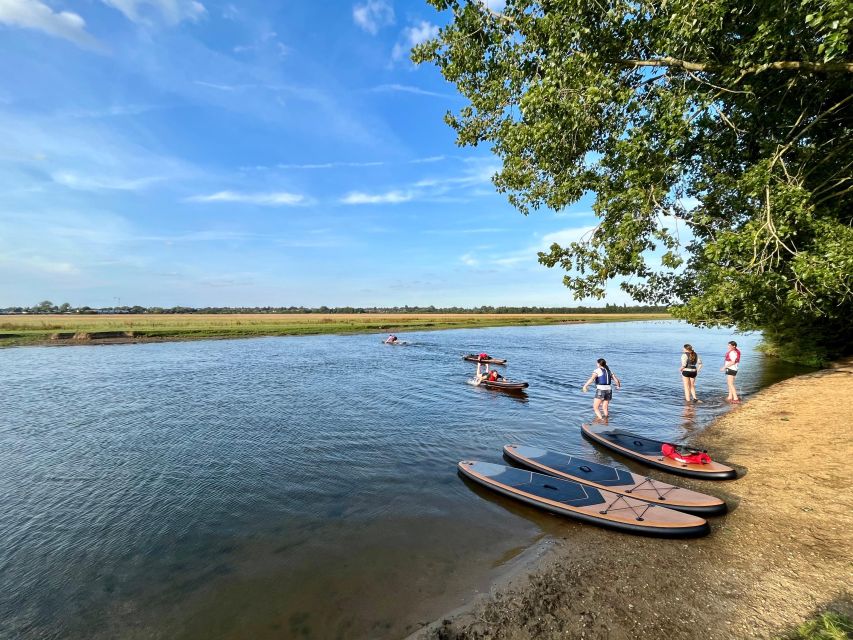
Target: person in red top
(730, 366)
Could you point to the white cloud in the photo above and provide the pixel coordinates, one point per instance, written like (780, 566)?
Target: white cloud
(528, 254)
(495, 5)
(88, 183)
(405, 88)
(170, 11)
(412, 36)
(32, 14)
(469, 260)
(391, 197)
(373, 15)
(274, 199)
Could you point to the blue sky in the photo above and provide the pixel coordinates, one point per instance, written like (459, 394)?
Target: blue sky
(189, 152)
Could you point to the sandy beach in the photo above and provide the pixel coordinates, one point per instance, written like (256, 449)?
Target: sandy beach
(782, 554)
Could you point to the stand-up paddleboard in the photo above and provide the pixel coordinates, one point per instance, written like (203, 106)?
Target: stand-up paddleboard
(621, 481)
(471, 357)
(504, 385)
(649, 452)
(584, 502)
(398, 343)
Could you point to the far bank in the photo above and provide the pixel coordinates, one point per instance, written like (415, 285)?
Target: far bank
(62, 329)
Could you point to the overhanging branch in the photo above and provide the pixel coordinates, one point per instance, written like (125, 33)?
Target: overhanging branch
(782, 65)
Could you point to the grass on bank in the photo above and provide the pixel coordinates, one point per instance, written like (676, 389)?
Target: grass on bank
(827, 626)
(34, 329)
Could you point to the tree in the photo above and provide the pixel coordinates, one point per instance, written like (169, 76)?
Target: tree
(715, 135)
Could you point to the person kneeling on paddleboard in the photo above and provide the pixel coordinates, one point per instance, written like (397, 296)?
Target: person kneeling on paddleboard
(391, 339)
(604, 379)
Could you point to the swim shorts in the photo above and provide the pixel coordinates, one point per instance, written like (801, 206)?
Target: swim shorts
(689, 374)
(731, 372)
(604, 394)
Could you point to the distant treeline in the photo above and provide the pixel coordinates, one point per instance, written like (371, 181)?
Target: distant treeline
(48, 307)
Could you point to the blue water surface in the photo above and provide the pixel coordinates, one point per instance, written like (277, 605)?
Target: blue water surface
(300, 486)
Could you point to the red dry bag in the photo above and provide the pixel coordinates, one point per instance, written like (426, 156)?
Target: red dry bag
(699, 457)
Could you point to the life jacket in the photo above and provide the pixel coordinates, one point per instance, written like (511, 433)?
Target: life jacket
(483, 356)
(606, 378)
(699, 457)
(692, 360)
(493, 376)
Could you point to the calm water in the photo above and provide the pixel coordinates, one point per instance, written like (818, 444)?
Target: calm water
(296, 487)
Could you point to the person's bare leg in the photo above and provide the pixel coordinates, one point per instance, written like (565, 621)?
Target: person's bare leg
(693, 389)
(686, 382)
(595, 407)
(732, 391)
(604, 407)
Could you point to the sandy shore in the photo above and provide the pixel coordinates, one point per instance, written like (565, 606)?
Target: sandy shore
(784, 552)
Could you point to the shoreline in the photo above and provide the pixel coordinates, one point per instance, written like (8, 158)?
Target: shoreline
(60, 330)
(781, 554)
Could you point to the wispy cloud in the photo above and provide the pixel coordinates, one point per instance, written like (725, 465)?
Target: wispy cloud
(529, 253)
(273, 199)
(32, 14)
(390, 197)
(170, 11)
(406, 88)
(412, 36)
(469, 261)
(108, 183)
(373, 15)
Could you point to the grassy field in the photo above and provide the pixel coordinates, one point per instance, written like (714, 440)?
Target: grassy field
(38, 329)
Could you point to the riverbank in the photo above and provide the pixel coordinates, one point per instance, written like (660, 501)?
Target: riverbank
(782, 554)
(129, 328)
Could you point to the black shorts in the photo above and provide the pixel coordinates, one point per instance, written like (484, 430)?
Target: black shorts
(689, 374)
(731, 372)
(604, 394)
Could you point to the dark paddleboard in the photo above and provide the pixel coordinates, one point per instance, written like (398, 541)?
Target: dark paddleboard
(504, 385)
(621, 481)
(583, 502)
(474, 358)
(648, 452)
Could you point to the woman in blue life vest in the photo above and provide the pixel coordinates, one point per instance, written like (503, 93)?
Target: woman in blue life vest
(603, 378)
(691, 365)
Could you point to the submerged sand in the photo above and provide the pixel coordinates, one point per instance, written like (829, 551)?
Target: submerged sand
(784, 552)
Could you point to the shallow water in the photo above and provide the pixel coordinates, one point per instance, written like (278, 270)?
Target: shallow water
(298, 487)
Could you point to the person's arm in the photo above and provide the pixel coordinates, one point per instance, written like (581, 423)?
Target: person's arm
(618, 383)
(683, 361)
(588, 382)
(698, 364)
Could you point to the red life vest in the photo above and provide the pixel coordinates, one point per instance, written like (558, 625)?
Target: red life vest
(700, 457)
(493, 375)
(483, 356)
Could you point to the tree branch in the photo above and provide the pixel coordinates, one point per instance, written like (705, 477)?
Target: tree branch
(782, 65)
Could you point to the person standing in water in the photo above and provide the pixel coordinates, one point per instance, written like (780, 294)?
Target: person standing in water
(691, 365)
(730, 366)
(603, 378)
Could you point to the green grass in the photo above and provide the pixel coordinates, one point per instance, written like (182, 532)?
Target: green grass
(26, 330)
(827, 626)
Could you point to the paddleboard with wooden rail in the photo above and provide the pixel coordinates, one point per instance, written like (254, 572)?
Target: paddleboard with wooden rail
(475, 358)
(648, 452)
(621, 481)
(504, 385)
(584, 502)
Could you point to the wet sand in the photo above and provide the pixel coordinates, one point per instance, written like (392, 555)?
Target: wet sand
(783, 553)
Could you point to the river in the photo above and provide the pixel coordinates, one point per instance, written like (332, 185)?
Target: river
(299, 487)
